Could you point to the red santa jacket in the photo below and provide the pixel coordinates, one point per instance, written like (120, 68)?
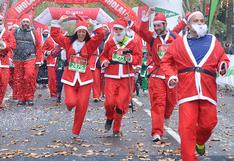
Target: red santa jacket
(6, 51)
(116, 70)
(48, 48)
(194, 85)
(157, 42)
(93, 60)
(70, 77)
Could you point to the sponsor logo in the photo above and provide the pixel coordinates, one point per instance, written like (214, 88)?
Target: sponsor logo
(23, 5)
(116, 6)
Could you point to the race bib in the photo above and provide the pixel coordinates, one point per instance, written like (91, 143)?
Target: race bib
(119, 57)
(162, 48)
(77, 64)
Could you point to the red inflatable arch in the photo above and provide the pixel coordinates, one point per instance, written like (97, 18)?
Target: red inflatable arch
(118, 7)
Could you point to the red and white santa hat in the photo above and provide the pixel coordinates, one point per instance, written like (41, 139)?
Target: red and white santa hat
(193, 14)
(120, 23)
(159, 18)
(25, 18)
(45, 29)
(80, 24)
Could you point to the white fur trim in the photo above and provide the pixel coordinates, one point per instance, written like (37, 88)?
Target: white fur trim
(158, 22)
(4, 29)
(50, 65)
(25, 19)
(158, 76)
(81, 27)
(194, 13)
(4, 66)
(172, 77)
(119, 76)
(77, 77)
(197, 97)
(39, 63)
(185, 21)
(119, 26)
(221, 64)
(4, 45)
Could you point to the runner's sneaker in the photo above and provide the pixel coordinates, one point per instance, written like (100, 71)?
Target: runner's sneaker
(117, 134)
(30, 103)
(201, 149)
(156, 138)
(21, 103)
(108, 124)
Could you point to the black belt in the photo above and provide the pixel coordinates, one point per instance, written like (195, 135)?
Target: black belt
(115, 62)
(198, 69)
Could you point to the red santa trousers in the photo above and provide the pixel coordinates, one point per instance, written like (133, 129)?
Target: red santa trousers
(96, 87)
(12, 84)
(4, 79)
(52, 82)
(197, 119)
(24, 75)
(77, 96)
(117, 93)
(163, 101)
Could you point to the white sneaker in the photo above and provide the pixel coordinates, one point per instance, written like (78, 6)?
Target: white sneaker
(167, 122)
(156, 138)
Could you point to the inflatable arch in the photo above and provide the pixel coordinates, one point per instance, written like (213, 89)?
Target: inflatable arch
(118, 7)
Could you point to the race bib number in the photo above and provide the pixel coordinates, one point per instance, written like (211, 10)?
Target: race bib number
(119, 57)
(162, 48)
(77, 64)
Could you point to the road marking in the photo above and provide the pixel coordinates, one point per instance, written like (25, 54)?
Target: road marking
(139, 103)
(169, 130)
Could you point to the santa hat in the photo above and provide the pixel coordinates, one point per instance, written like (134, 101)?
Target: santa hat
(45, 29)
(81, 24)
(193, 14)
(120, 23)
(159, 18)
(25, 18)
(105, 25)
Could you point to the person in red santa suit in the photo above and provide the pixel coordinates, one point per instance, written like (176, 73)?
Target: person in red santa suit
(95, 66)
(7, 43)
(49, 49)
(12, 27)
(118, 56)
(26, 58)
(162, 99)
(77, 76)
(192, 62)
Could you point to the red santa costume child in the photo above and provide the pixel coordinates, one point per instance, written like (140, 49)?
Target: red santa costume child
(162, 99)
(48, 49)
(118, 56)
(7, 43)
(77, 76)
(192, 62)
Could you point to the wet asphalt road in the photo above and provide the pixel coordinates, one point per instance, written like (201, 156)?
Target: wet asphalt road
(43, 133)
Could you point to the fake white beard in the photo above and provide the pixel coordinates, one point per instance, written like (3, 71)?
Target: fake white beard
(120, 36)
(201, 30)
